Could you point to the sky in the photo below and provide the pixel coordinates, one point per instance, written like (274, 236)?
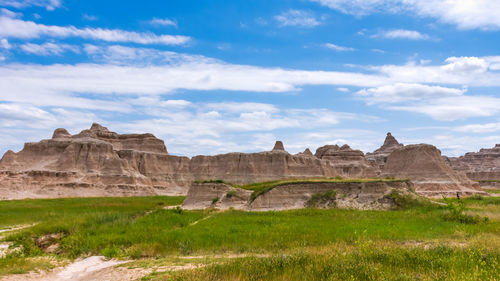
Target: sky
(212, 77)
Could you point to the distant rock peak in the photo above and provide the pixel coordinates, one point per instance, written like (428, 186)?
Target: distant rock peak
(278, 146)
(60, 133)
(98, 128)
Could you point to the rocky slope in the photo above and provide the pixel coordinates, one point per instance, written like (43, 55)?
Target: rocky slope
(479, 166)
(424, 166)
(352, 195)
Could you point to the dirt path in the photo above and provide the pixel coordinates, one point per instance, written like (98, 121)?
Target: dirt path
(202, 219)
(80, 270)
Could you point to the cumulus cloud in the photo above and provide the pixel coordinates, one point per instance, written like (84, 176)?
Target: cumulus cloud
(402, 34)
(465, 14)
(297, 18)
(338, 48)
(16, 28)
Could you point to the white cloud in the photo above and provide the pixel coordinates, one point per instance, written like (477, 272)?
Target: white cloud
(403, 92)
(342, 89)
(49, 49)
(4, 43)
(402, 34)
(479, 128)
(50, 5)
(117, 54)
(465, 14)
(338, 48)
(398, 87)
(231, 126)
(16, 28)
(297, 18)
(89, 17)
(9, 13)
(163, 22)
(440, 103)
(472, 71)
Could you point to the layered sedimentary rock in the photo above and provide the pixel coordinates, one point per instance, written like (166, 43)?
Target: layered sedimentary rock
(479, 166)
(347, 162)
(216, 195)
(98, 162)
(244, 168)
(352, 195)
(95, 162)
(424, 166)
(379, 156)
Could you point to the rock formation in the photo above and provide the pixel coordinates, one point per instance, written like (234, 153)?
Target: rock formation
(278, 146)
(479, 166)
(347, 162)
(98, 162)
(379, 156)
(351, 195)
(95, 162)
(424, 166)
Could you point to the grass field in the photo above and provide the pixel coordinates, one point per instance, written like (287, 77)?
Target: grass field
(416, 243)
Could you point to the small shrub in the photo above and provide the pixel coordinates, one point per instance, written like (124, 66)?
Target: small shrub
(112, 251)
(215, 200)
(323, 199)
(209, 181)
(407, 200)
(339, 178)
(178, 210)
(476, 197)
(185, 248)
(456, 212)
(231, 194)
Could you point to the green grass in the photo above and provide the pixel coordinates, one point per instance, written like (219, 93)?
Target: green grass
(490, 190)
(263, 187)
(366, 261)
(142, 228)
(19, 265)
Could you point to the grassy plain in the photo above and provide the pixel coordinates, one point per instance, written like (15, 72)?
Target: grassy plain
(415, 243)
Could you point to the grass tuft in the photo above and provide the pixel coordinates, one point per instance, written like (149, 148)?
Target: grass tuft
(323, 199)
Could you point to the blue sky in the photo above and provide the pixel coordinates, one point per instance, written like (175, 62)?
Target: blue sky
(216, 76)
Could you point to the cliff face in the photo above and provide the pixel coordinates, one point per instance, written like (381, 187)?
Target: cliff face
(345, 161)
(95, 162)
(481, 166)
(424, 166)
